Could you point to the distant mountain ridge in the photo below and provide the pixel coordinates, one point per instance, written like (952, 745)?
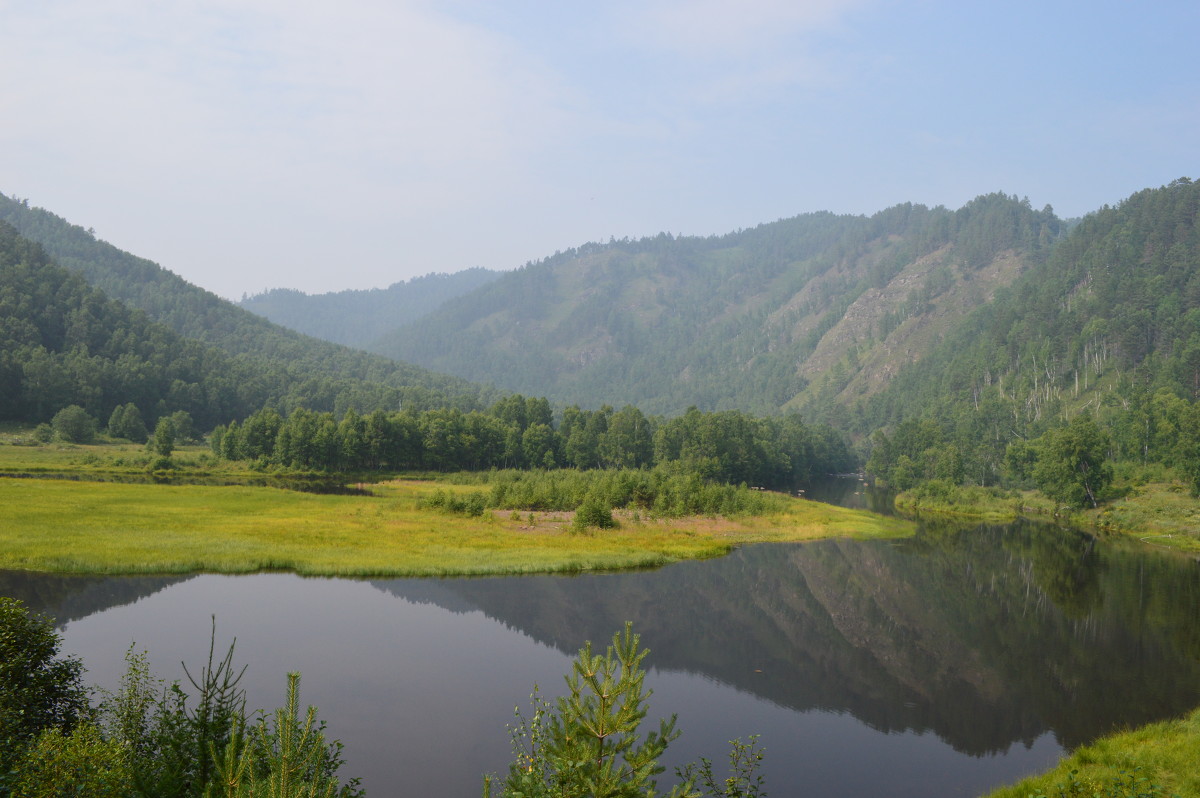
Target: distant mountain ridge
(359, 318)
(796, 314)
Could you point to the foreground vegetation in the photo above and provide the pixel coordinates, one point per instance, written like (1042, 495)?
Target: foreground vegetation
(1155, 760)
(150, 739)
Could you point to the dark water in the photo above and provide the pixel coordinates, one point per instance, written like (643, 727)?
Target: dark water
(941, 665)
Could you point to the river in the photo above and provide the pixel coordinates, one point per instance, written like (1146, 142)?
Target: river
(940, 665)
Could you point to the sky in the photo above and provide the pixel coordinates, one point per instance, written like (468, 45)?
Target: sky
(256, 144)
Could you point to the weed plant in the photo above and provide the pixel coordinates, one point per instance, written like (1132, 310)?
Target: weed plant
(150, 741)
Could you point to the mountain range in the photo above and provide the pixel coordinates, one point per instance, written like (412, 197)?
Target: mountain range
(995, 321)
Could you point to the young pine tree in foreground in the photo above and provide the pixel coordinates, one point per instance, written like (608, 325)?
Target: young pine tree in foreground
(589, 744)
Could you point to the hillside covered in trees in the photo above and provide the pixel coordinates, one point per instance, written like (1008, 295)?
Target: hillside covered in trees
(323, 375)
(358, 318)
(64, 342)
(1108, 326)
(753, 320)
(993, 345)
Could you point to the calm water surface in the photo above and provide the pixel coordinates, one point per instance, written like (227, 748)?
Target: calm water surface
(941, 665)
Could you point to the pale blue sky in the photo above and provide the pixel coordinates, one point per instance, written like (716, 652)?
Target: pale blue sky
(251, 144)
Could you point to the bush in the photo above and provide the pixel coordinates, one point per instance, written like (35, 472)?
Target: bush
(593, 512)
(664, 491)
(38, 689)
(74, 425)
(589, 743)
(288, 758)
(163, 442)
(147, 740)
(80, 763)
(126, 422)
(472, 504)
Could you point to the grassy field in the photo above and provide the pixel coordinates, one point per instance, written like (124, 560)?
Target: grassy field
(1159, 513)
(99, 458)
(1166, 755)
(105, 527)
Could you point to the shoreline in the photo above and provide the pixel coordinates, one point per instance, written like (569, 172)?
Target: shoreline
(1161, 514)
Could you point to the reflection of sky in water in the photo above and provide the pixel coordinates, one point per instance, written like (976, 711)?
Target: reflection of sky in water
(421, 696)
(986, 636)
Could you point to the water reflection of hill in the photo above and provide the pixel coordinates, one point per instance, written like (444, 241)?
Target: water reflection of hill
(987, 637)
(68, 597)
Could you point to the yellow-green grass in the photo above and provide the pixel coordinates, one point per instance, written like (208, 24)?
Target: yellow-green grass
(103, 457)
(94, 527)
(1158, 513)
(973, 502)
(1166, 754)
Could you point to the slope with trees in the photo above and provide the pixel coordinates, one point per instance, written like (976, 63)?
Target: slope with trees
(1108, 325)
(750, 320)
(199, 315)
(358, 318)
(65, 344)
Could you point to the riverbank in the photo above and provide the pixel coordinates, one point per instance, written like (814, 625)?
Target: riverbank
(1160, 513)
(1162, 754)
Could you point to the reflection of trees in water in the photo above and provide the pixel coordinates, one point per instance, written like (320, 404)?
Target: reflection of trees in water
(69, 597)
(852, 492)
(987, 636)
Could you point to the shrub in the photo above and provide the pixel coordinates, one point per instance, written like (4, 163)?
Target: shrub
(286, 758)
(126, 422)
(80, 763)
(589, 742)
(74, 425)
(38, 689)
(593, 512)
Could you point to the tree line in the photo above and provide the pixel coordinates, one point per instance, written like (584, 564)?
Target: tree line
(520, 432)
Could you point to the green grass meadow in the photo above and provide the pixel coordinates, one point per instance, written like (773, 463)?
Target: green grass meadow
(106, 527)
(1164, 755)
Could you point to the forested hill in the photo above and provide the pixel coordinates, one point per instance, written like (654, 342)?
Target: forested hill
(1109, 324)
(359, 318)
(63, 342)
(202, 316)
(753, 320)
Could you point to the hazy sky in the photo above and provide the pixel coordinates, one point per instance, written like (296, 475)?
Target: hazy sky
(252, 144)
